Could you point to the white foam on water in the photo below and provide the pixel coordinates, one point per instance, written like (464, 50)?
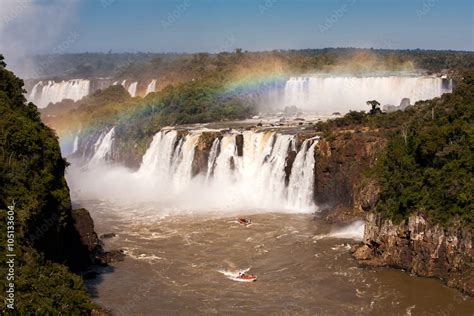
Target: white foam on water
(233, 274)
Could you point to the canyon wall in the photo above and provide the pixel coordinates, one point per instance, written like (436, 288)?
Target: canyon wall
(341, 189)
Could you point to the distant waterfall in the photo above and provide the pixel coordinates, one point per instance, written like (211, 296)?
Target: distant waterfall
(325, 94)
(151, 87)
(132, 89)
(255, 177)
(45, 92)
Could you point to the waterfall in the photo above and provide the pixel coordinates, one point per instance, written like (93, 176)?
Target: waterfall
(132, 89)
(151, 87)
(157, 161)
(327, 94)
(225, 161)
(45, 92)
(103, 148)
(252, 178)
(300, 187)
(75, 145)
(212, 158)
(183, 160)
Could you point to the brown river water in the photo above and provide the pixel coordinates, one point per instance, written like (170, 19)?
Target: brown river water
(186, 265)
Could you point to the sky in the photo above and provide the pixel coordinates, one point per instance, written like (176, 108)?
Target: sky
(65, 26)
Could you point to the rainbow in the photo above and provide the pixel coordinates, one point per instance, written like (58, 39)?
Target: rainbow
(250, 83)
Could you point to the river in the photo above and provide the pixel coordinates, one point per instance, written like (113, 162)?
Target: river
(186, 264)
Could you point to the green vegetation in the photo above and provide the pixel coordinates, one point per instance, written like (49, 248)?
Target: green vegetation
(142, 66)
(32, 177)
(428, 164)
(202, 99)
(374, 107)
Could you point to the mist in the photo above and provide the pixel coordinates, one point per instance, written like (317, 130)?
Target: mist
(127, 190)
(30, 27)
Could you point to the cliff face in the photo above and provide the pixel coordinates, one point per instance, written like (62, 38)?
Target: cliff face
(419, 247)
(202, 151)
(425, 180)
(340, 186)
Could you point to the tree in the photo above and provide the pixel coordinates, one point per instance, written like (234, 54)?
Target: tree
(375, 107)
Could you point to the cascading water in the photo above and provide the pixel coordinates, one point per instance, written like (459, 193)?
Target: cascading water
(132, 89)
(253, 169)
(182, 162)
(243, 170)
(255, 178)
(75, 145)
(151, 87)
(317, 93)
(300, 187)
(326, 94)
(212, 158)
(157, 161)
(44, 93)
(102, 148)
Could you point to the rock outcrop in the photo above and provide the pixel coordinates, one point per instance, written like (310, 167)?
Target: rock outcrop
(419, 247)
(84, 247)
(340, 186)
(201, 152)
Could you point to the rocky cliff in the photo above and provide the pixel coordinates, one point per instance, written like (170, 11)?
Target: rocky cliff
(340, 187)
(420, 218)
(420, 247)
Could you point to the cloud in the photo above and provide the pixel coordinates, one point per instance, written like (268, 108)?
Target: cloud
(33, 26)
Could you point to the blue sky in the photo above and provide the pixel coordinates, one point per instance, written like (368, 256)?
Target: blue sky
(222, 25)
(213, 25)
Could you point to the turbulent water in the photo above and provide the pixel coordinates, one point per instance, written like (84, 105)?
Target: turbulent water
(185, 246)
(188, 265)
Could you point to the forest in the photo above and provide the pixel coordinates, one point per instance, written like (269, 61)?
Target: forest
(142, 66)
(33, 185)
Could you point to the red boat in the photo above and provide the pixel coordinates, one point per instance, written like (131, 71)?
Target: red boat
(247, 278)
(244, 221)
